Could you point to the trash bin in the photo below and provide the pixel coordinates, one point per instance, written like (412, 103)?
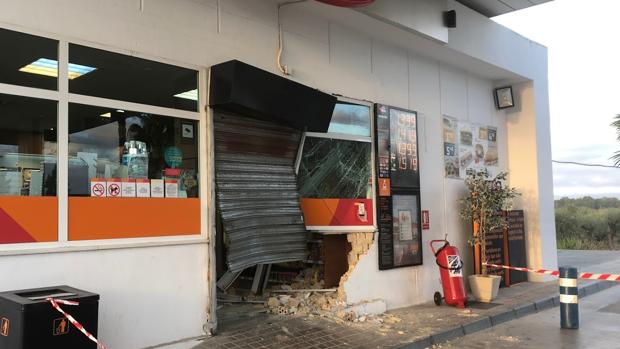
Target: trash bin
(28, 320)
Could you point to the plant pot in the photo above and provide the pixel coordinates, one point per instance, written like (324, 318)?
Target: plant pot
(484, 288)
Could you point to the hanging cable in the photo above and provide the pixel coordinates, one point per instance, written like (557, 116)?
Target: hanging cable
(283, 68)
(583, 164)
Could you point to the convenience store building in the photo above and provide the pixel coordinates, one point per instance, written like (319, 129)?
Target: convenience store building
(117, 178)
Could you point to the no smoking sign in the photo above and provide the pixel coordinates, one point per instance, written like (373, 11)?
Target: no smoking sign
(98, 188)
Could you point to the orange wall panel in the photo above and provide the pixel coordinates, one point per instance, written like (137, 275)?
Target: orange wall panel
(115, 218)
(28, 219)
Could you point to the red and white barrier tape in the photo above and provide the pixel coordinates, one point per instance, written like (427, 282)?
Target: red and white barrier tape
(73, 321)
(589, 276)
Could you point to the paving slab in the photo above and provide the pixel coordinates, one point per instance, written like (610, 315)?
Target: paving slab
(420, 326)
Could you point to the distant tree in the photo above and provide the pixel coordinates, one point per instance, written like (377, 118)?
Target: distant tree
(616, 125)
(612, 217)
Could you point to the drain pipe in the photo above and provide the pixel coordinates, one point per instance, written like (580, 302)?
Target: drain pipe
(283, 68)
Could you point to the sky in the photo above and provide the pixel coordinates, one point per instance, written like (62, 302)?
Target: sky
(583, 38)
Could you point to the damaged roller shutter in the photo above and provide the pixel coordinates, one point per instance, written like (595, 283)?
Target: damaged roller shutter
(257, 191)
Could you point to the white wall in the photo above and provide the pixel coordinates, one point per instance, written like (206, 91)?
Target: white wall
(148, 295)
(325, 52)
(434, 90)
(422, 16)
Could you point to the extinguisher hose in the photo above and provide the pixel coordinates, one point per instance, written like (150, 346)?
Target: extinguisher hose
(457, 268)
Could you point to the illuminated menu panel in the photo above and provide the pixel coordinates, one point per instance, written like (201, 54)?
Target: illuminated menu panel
(398, 188)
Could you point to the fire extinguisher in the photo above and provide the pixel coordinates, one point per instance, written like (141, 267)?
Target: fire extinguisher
(451, 271)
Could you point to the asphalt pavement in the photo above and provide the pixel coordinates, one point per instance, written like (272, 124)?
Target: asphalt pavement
(591, 261)
(599, 328)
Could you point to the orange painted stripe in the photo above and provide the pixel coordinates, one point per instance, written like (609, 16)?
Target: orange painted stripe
(319, 212)
(113, 218)
(37, 215)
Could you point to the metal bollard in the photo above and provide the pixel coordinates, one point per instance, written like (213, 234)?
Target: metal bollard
(569, 306)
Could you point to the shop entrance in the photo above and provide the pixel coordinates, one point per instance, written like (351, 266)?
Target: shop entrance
(263, 248)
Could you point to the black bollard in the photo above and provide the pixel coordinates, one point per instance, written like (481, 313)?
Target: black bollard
(569, 306)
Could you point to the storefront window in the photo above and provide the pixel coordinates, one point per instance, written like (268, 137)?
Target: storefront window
(122, 153)
(333, 168)
(127, 78)
(351, 119)
(28, 60)
(27, 146)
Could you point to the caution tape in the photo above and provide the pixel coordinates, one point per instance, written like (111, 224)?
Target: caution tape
(588, 276)
(55, 303)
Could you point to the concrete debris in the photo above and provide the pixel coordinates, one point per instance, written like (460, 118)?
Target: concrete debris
(509, 339)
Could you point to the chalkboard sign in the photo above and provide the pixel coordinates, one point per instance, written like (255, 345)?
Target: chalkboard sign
(398, 188)
(516, 245)
(506, 247)
(495, 244)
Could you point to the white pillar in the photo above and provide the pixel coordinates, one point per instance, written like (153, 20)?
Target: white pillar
(529, 166)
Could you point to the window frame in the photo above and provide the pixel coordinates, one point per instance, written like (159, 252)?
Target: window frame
(347, 137)
(63, 97)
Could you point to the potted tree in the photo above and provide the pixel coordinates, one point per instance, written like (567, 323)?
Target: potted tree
(483, 207)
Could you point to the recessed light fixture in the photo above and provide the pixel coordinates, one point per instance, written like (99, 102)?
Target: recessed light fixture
(49, 67)
(106, 115)
(192, 95)
(120, 111)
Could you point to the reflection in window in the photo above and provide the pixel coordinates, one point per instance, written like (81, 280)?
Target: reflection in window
(127, 78)
(26, 60)
(27, 146)
(332, 168)
(353, 119)
(123, 153)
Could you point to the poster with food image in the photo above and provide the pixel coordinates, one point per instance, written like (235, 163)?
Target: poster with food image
(407, 238)
(491, 157)
(466, 136)
(468, 146)
(450, 155)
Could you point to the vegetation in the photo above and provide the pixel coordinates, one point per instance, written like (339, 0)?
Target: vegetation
(587, 223)
(616, 125)
(482, 206)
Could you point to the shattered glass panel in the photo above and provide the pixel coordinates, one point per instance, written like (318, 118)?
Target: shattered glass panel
(333, 168)
(350, 119)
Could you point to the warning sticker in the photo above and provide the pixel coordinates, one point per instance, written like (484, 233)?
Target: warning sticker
(114, 187)
(455, 266)
(60, 327)
(97, 187)
(4, 327)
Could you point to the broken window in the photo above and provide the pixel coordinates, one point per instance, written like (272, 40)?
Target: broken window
(334, 168)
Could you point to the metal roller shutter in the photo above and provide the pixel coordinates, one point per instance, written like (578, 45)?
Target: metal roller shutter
(257, 191)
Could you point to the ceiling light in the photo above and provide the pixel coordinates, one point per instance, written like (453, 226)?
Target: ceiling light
(120, 111)
(49, 67)
(192, 95)
(106, 115)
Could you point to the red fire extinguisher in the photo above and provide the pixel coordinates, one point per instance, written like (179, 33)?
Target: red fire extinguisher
(451, 271)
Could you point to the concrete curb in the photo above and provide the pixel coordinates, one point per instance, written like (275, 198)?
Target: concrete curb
(519, 311)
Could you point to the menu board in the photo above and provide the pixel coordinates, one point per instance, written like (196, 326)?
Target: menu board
(403, 149)
(506, 247)
(398, 192)
(496, 250)
(516, 245)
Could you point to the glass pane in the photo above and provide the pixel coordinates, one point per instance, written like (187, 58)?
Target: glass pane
(127, 78)
(27, 146)
(353, 119)
(332, 168)
(28, 60)
(124, 153)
